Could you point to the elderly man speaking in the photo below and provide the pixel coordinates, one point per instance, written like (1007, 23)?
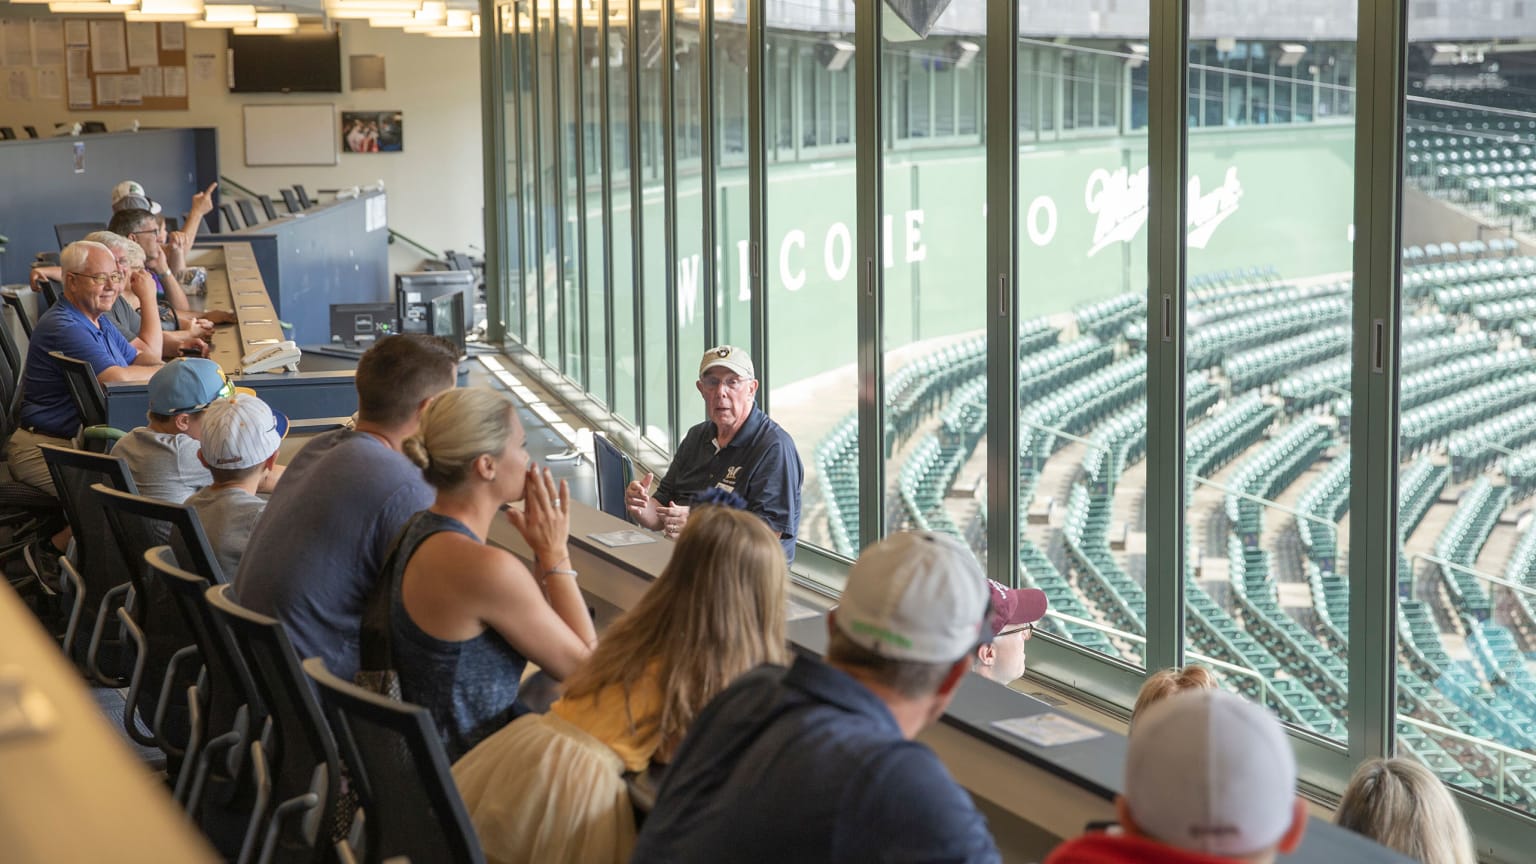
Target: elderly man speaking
(738, 449)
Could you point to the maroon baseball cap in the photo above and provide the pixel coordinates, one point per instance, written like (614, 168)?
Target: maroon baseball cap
(1012, 607)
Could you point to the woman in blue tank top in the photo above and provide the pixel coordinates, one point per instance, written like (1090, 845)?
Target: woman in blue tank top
(466, 617)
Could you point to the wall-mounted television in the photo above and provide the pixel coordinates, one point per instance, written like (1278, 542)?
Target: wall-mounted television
(305, 62)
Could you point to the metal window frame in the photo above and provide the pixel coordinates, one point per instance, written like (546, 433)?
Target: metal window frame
(610, 339)
(669, 208)
(1379, 109)
(579, 257)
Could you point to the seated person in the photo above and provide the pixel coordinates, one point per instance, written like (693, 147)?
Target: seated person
(162, 456)
(1402, 805)
(1166, 682)
(550, 787)
(320, 545)
(46, 411)
(130, 195)
(143, 228)
(143, 331)
(1014, 613)
(1208, 778)
(738, 449)
(464, 615)
(240, 438)
(818, 762)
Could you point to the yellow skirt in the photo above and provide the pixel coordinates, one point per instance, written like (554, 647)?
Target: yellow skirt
(544, 790)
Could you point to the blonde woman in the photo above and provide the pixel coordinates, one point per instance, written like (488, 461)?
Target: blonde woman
(1166, 682)
(550, 788)
(465, 617)
(1402, 805)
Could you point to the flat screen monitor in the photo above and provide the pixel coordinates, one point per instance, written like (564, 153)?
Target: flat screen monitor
(413, 291)
(308, 62)
(448, 321)
(359, 325)
(613, 472)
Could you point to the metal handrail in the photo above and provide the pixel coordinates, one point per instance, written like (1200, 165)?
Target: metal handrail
(1489, 577)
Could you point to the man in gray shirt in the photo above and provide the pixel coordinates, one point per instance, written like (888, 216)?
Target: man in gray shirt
(241, 435)
(320, 545)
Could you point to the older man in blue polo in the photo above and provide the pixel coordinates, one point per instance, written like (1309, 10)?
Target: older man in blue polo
(737, 449)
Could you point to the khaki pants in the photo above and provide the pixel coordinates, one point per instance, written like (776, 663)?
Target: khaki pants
(26, 461)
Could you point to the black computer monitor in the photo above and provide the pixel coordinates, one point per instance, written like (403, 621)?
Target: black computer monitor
(448, 321)
(359, 325)
(613, 473)
(414, 291)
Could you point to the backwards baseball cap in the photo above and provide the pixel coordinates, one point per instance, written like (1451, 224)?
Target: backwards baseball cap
(1013, 607)
(130, 195)
(186, 385)
(729, 357)
(240, 432)
(1210, 772)
(916, 596)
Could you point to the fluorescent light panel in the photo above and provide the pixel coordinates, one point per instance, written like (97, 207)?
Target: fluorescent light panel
(227, 15)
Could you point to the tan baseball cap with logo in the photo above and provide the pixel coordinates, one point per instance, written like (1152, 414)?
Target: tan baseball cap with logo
(729, 357)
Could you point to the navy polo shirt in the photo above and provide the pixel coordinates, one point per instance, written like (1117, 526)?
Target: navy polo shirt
(807, 765)
(760, 464)
(46, 405)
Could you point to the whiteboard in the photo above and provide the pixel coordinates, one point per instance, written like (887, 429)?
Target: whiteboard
(291, 134)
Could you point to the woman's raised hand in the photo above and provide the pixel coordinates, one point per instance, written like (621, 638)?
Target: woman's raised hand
(545, 520)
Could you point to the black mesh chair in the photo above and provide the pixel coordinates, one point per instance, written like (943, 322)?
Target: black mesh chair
(26, 512)
(291, 201)
(230, 221)
(304, 200)
(215, 784)
(267, 206)
(9, 344)
(164, 641)
(105, 577)
(248, 211)
(84, 388)
(305, 770)
(400, 772)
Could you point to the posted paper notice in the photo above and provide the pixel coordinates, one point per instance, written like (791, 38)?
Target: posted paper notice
(1048, 730)
(108, 53)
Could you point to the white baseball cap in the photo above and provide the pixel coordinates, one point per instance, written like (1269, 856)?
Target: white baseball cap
(729, 357)
(240, 432)
(917, 596)
(130, 195)
(1211, 772)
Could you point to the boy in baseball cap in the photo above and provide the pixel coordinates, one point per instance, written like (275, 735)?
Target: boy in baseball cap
(827, 747)
(241, 436)
(1209, 778)
(162, 455)
(1014, 613)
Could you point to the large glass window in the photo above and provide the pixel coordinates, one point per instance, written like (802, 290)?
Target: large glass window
(592, 332)
(1268, 336)
(934, 265)
(653, 227)
(618, 67)
(1467, 445)
(1082, 287)
(811, 281)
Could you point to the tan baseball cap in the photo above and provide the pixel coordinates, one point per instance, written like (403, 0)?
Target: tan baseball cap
(730, 357)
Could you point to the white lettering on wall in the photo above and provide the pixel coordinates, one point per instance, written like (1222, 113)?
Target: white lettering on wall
(792, 282)
(1042, 207)
(688, 287)
(1119, 200)
(1210, 210)
(838, 261)
(744, 269)
(916, 251)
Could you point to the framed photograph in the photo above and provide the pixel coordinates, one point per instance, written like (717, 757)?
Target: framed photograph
(372, 132)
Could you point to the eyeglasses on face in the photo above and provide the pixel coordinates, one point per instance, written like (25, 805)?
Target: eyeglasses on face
(1028, 630)
(731, 385)
(116, 277)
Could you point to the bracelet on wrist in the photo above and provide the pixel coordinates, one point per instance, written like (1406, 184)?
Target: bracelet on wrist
(563, 571)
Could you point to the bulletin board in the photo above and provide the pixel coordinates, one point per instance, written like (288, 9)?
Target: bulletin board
(303, 134)
(116, 65)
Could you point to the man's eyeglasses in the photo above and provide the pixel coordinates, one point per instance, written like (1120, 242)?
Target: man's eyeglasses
(731, 385)
(116, 277)
(1027, 629)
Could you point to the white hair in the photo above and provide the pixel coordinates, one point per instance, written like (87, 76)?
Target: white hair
(119, 245)
(74, 256)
